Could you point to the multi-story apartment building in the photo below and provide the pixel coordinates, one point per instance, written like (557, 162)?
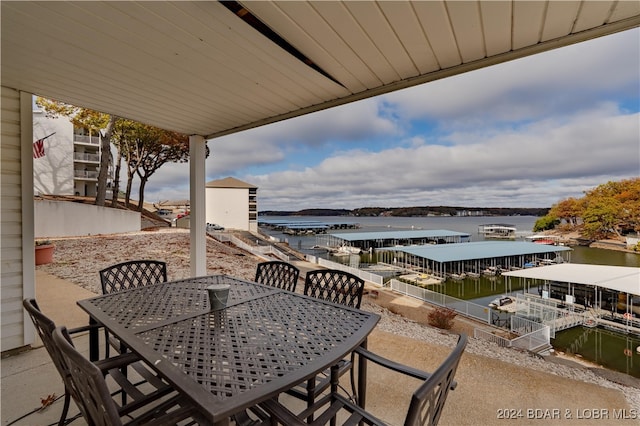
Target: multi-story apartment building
(71, 160)
(232, 204)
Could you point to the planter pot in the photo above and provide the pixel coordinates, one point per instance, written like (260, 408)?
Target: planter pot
(44, 254)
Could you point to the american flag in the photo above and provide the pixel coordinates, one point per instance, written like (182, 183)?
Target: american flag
(38, 146)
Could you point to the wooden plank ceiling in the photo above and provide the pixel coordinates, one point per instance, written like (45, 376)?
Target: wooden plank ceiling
(211, 69)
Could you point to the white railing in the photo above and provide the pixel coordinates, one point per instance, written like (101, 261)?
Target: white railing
(485, 335)
(470, 309)
(522, 326)
(532, 341)
(85, 174)
(533, 335)
(261, 251)
(80, 156)
(529, 342)
(93, 140)
(367, 276)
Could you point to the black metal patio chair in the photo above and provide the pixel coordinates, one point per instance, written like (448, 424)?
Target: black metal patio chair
(126, 275)
(113, 367)
(334, 286)
(86, 384)
(132, 274)
(277, 274)
(425, 407)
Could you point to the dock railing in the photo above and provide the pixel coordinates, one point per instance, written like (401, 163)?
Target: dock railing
(470, 309)
(367, 276)
(532, 335)
(490, 337)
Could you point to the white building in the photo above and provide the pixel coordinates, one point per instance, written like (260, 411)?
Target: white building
(232, 203)
(71, 160)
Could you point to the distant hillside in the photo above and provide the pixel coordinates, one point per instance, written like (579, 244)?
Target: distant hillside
(414, 211)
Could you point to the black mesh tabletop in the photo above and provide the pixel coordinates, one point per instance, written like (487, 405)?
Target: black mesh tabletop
(266, 341)
(157, 303)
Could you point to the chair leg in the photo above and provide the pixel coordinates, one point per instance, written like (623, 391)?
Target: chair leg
(311, 394)
(242, 419)
(65, 408)
(335, 379)
(106, 343)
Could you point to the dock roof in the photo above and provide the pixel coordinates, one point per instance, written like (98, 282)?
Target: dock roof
(478, 250)
(621, 278)
(398, 235)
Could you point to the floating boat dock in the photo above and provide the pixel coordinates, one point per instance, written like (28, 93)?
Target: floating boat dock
(376, 240)
(305, 227)
(498, 231)
(482, 257)
(591, 295)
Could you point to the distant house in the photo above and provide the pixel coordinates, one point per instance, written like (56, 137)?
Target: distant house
(232, 204)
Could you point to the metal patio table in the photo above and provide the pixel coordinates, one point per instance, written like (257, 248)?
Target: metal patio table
(266, 341)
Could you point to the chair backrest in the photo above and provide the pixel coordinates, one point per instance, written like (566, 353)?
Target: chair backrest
(45, 326)
(86, 384)
(135, 273)
(335, 286)
(428, 400)
(277, 274)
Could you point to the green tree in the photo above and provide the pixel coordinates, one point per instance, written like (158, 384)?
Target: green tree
(600, 217)
(607, 210)
(612, 207)
(545, 223)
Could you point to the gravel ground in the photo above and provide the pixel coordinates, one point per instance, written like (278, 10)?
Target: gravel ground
(78, 260)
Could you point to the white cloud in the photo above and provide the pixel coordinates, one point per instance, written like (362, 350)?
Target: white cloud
(526, 133)
(566, 79)
(527, 168)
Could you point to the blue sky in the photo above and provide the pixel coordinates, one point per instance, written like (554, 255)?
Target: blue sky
(526, 133)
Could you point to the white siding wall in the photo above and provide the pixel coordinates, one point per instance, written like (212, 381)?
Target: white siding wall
(228, 207)
(17, 271)
(53, 173)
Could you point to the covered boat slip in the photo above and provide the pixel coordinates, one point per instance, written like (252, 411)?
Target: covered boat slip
(612, 293)
(489, 257)
(498, 230)
(383, 239)
(298, 227)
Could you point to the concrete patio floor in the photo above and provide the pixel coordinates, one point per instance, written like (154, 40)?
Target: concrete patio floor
(489, 391)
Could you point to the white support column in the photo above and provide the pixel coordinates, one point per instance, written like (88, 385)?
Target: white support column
(197, 216)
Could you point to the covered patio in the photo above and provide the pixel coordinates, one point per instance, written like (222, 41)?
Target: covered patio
(210, 68)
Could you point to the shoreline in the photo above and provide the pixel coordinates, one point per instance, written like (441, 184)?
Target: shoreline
(573, 238)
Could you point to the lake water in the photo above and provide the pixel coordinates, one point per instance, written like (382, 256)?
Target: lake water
(604, 347)
(468, 224)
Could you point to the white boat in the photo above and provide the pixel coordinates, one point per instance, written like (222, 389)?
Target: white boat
(491, 270)
(501, 301)
(473, 275)
(551, 240)
(347, 250)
